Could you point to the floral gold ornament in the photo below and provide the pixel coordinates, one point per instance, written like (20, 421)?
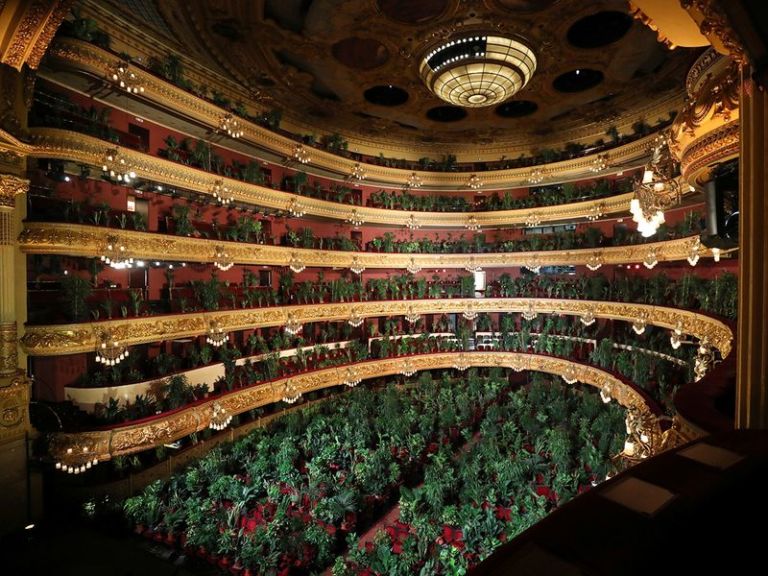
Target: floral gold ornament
(220, 193)
(116, 167)
(221, 259)
(125, 78)
(301, 154)
(110, 352)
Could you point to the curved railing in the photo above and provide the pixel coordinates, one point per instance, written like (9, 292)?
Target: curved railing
(61, 339)
(72, 449)
(89, 241)
(96, 61)
(76, 147)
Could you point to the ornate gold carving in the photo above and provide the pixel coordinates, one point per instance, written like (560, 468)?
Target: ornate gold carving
(14, 402)
(75, 338)
(133, 438)
(35, 23)
(88, 241)
(714, 24)
(716, 146)
(10, 187)
(638, 14)
(9, 344)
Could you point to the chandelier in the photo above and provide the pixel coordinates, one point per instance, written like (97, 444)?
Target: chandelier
(472, 267)
(84, 461)
(693, 253)
(596, 211)
(412, 223)
(461, 363)
(600, 163)
(703, 361)
(356, 266)
(127, 80)
(533, 219)
(355, 320)
(220, 419)
(291, 393)
(216, 337)
(675, 339)
(475, 182)
(606, 393)
(536, 176)
(116, 254)
(230, 125)
(594, 262)
(477, 70)
(412, 317)
(413, 181)
(358, 173)
(300, 154)
(639, 426)
(296, 208)
(351, 377)
(570, 375)
(355, 219)
(517, 363)
(657, 191)
(650, 259)
(533, 265)
(413, 267)
(116, 166)
(472, 224)
(292, 326)
(470, 313)
(529, 313)
(296, 265)
(407, 368)
(109, 351)
(640, 324)
(220, 192)
(588, 318)
(221, 259)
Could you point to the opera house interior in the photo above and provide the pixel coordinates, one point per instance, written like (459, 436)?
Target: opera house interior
(384, 287)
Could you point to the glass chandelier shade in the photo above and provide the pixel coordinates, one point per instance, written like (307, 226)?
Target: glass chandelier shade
(479, 70)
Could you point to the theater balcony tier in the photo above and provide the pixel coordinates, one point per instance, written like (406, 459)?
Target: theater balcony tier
(89, 241)
(104, 444)
(62, 339)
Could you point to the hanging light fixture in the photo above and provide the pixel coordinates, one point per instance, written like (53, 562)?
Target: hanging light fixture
(600, 163)
(517, 364)
(115, 254)
(229, 124)
(220, 193)
(412, 317)
(413, 181)
(84, 459)
(472, 224)
(356, 266)
(640, 324)
(116, 167)
(407, 368)
(300, 154)
(412, 223)
(355, 219)
(358, 174)
(475, 182)
(291, 393)
(470, 313)
(570, 375)
(413, 267)
(461, 363)
(650, 259)
(216, 337)
(221, 259)
(658, 190)
(123, 76)
(472, 267)
(595, 261)
(704, 359)
(588, 318)
(529, 313)
(716, 254)
(606, 393)
(533, 265)
(478, 69)
(533, 219)
(220, 419)
(355, 320)
(296, 208)
(292, 326)
(295, 264)
(675, 341)
(596, 212)
(109, 351)
(693, 253)
(536, 176)
(351, 377)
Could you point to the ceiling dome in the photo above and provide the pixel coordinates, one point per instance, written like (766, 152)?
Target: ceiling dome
(478, 70)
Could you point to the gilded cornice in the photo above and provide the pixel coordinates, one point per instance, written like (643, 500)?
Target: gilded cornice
(132, 438)
(89, 241)
(14, 408)
(64, 144)
(94, 60)
(61, 339)
(716, 26)
(26, 29)
(10, 187)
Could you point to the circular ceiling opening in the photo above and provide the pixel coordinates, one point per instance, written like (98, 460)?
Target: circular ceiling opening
(525, 5)
(446, 113)
(360, 53)
(599, 29)
(411, 12)
(578, 80)
(517, 109)
(388, 95)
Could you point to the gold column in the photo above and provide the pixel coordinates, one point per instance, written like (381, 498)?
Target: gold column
(752, 379)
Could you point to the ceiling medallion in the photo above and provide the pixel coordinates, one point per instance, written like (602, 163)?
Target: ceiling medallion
(476, 71)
